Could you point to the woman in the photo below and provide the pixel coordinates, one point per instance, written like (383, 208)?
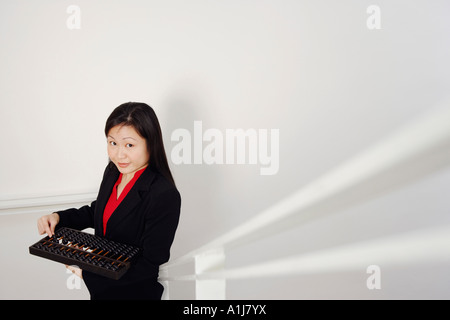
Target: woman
(137, 204)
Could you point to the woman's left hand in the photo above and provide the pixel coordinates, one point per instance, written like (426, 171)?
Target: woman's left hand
(75, 270)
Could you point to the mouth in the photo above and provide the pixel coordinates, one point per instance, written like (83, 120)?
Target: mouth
(123, 165)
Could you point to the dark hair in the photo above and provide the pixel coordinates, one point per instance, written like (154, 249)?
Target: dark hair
(143, 119)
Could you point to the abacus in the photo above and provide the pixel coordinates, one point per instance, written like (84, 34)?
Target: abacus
(89, 252)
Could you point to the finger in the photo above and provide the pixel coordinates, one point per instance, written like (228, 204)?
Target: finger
(75, 270)
(48, 230)
(46, 226)
(40, 229)
(52, 226)
(41, 226)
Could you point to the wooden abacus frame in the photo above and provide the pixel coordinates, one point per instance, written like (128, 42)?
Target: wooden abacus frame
(74, 247)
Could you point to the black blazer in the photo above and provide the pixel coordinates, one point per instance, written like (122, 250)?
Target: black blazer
(147, 218)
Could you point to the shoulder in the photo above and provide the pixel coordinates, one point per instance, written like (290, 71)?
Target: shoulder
(162, 187)
(163, 199)
(110, 171)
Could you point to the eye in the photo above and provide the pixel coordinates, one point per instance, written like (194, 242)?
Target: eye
(129, 145)
(112, 143)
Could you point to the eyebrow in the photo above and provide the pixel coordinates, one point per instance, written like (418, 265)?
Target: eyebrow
(123, 138)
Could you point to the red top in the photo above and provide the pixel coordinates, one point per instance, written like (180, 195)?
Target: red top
(113, 201)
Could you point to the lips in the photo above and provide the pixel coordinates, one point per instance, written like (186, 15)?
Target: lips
(123, 165)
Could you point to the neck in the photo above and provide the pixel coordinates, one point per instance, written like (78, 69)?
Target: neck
(126, 177)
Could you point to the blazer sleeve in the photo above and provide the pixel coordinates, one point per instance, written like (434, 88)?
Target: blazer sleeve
(79, 219)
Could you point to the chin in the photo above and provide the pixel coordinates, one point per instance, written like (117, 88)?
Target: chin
(124, 170)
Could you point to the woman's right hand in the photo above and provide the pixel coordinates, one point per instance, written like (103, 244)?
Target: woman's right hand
(47, 224)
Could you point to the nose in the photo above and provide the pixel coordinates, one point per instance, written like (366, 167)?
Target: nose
(121, 153)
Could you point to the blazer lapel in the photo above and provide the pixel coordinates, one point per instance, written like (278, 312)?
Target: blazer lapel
(131, 200)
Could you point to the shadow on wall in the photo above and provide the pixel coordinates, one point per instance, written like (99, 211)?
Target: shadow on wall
(197, 183)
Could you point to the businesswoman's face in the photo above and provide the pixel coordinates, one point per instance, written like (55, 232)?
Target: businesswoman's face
(127, 149)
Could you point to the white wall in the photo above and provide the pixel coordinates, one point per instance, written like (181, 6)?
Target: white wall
(311, 69)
